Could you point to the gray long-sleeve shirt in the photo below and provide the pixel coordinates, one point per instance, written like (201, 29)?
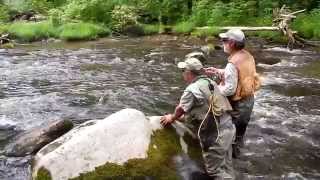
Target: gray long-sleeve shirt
(230, 80)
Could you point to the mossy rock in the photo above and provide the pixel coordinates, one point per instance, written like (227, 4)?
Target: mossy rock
(163, 147)
(43, 174)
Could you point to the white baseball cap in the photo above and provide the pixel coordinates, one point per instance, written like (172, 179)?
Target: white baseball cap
(233, 34)
(190, 64)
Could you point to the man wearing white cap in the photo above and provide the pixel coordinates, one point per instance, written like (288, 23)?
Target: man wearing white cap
(205, 111)
(240, 81)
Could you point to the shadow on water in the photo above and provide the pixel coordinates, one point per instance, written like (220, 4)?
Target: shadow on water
(90, 80)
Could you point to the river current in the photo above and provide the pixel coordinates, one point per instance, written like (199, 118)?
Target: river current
(42, 82)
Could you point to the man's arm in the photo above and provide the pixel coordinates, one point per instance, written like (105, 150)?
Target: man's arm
(185, 104)
(230, 80)
(170, 118)
(210, 71)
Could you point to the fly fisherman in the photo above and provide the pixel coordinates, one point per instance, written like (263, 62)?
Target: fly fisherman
(240, 81)
(205, 110)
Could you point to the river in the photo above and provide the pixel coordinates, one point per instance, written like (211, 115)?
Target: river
(80, 81)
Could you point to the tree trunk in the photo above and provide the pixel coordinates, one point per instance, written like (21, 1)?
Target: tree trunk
(189, 5)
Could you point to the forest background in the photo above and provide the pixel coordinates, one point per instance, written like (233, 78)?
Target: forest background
(90, 19)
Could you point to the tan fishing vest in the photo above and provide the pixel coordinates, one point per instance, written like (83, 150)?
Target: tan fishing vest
(200, 88)
(248, 79)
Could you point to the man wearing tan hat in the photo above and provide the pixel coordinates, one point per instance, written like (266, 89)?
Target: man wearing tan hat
(240, 81)
(205, 111)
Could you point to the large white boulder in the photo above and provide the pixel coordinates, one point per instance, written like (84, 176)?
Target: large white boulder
(122, 136)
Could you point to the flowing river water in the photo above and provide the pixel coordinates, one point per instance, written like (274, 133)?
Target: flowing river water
(81, 81)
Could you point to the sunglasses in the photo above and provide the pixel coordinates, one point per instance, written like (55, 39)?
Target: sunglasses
(224, 39)
(184, 70)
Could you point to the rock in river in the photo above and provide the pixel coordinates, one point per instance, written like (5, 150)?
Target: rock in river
(31, 141)
(125, 144)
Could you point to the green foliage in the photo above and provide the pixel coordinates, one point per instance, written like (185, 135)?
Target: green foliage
(210, 31)
(123, 16)
(43, 6)
(261, 21)
(55, 16)
(150, 29)
(184, 27)
(165, 11)
(19, 5)
(308, 25)
(236, 12)
(273, 36)
(89, 10)
(164, 145)
(3, 28)
(201, 12)
(4, 13)
(32, 31)
(265, 7)
(217, 14)
(48, 3)
(82, 31)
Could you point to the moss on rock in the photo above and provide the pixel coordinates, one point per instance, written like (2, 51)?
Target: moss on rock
(43, 174)
(164, 145)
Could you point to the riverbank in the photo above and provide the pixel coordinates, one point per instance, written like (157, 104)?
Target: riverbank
(35, 31)
(45, 30)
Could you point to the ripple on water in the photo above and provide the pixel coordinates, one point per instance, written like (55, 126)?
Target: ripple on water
(31, 111)
(15, 168)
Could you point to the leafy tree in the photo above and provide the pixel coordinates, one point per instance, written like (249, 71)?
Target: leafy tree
(4, 13)
(123, 16)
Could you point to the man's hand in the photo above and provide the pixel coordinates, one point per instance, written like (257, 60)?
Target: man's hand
(166, 119)
(210, 71)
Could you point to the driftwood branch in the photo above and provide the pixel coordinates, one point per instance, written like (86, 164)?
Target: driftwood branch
(282, 19)
(4, 39)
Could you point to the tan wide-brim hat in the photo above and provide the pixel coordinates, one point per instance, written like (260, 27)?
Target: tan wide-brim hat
(190, 64)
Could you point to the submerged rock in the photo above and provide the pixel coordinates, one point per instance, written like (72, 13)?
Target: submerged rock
(31, 141)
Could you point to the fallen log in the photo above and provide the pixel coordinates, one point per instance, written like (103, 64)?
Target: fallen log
(244, 28)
